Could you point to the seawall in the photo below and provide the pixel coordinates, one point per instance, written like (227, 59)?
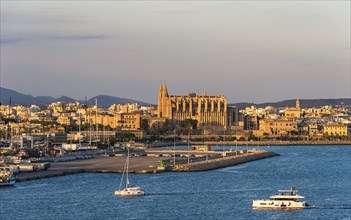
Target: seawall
(222, 162)
(255, 143)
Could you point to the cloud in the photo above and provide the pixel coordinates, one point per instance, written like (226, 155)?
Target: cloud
(12, 40)
(171, 11)
(77, 37)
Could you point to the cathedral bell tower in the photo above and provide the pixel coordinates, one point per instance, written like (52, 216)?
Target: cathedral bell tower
(163, 101)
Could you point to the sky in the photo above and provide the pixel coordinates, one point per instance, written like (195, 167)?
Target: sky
(254, 51)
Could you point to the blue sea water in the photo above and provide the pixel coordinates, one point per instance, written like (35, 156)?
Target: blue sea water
(321, 173)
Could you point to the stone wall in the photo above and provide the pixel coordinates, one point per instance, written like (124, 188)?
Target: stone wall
(222, 162)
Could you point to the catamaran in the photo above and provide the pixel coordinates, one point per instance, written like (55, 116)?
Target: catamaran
(287, 199)
(129, 190)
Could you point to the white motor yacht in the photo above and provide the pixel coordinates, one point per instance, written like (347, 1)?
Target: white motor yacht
(286, 199)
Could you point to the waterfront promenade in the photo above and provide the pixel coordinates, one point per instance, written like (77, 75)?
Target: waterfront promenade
(256, 143)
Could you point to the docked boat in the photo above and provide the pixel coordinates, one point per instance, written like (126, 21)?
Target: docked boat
(7, 178)
(129, 190)
(285, 199)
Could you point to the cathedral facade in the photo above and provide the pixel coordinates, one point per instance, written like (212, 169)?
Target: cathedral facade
(208, 110)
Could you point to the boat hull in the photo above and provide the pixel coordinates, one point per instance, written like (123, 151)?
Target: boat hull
(11, 183)
(276, 204)
(123, 193)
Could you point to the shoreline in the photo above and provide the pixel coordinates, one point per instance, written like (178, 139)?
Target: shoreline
(148, 165)
(253, 143)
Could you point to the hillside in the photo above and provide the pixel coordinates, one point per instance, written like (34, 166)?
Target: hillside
(107, 100)
(22, 99)
(305, 103)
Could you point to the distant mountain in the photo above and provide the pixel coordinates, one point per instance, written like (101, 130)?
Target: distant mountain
(16, 97)
(22, 99)
(44, 99)
(106, 101)
(305, 103)
(65, 99)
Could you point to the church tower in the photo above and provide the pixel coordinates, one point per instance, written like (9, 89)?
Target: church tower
(163, 103)
(159, 101)
(298, 103)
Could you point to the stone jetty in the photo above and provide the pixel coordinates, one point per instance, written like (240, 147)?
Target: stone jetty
(222, 162)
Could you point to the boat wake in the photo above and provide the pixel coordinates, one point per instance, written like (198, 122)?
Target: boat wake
(173, 193)
(329, 207)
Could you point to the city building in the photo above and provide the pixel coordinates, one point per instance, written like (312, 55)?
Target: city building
(278, 127)
(335, 129)
(207, 110)
(293, 112)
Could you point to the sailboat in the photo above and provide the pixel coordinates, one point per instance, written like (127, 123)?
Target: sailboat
(129, 190)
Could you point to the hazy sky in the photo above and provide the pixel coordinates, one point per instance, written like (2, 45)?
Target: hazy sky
(254, 51)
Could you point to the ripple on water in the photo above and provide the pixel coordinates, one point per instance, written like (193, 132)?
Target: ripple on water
(322, 174)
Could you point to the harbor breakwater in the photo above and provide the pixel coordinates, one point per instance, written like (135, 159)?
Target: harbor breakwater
(140, 165)
(222, 162)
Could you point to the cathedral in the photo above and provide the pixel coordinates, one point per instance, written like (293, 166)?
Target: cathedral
(208, 110)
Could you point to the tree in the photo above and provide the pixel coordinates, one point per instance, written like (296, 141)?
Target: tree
(252, 137)
(233, 138)
(144, 124)
(112, 140)
(189, 123)
(125, 137)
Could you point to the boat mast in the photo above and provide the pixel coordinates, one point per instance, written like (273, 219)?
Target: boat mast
(89, 129)
(127, 179)
(88, 111)
(8, 122)
(96, 116)
(174, 157)
(80, 122)
(188, 146)
(223, 141)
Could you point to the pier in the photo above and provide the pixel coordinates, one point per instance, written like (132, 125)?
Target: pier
(223, 161)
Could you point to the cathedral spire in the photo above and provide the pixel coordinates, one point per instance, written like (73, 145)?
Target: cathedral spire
(165, 91)
(160, 90)
(204, 94)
